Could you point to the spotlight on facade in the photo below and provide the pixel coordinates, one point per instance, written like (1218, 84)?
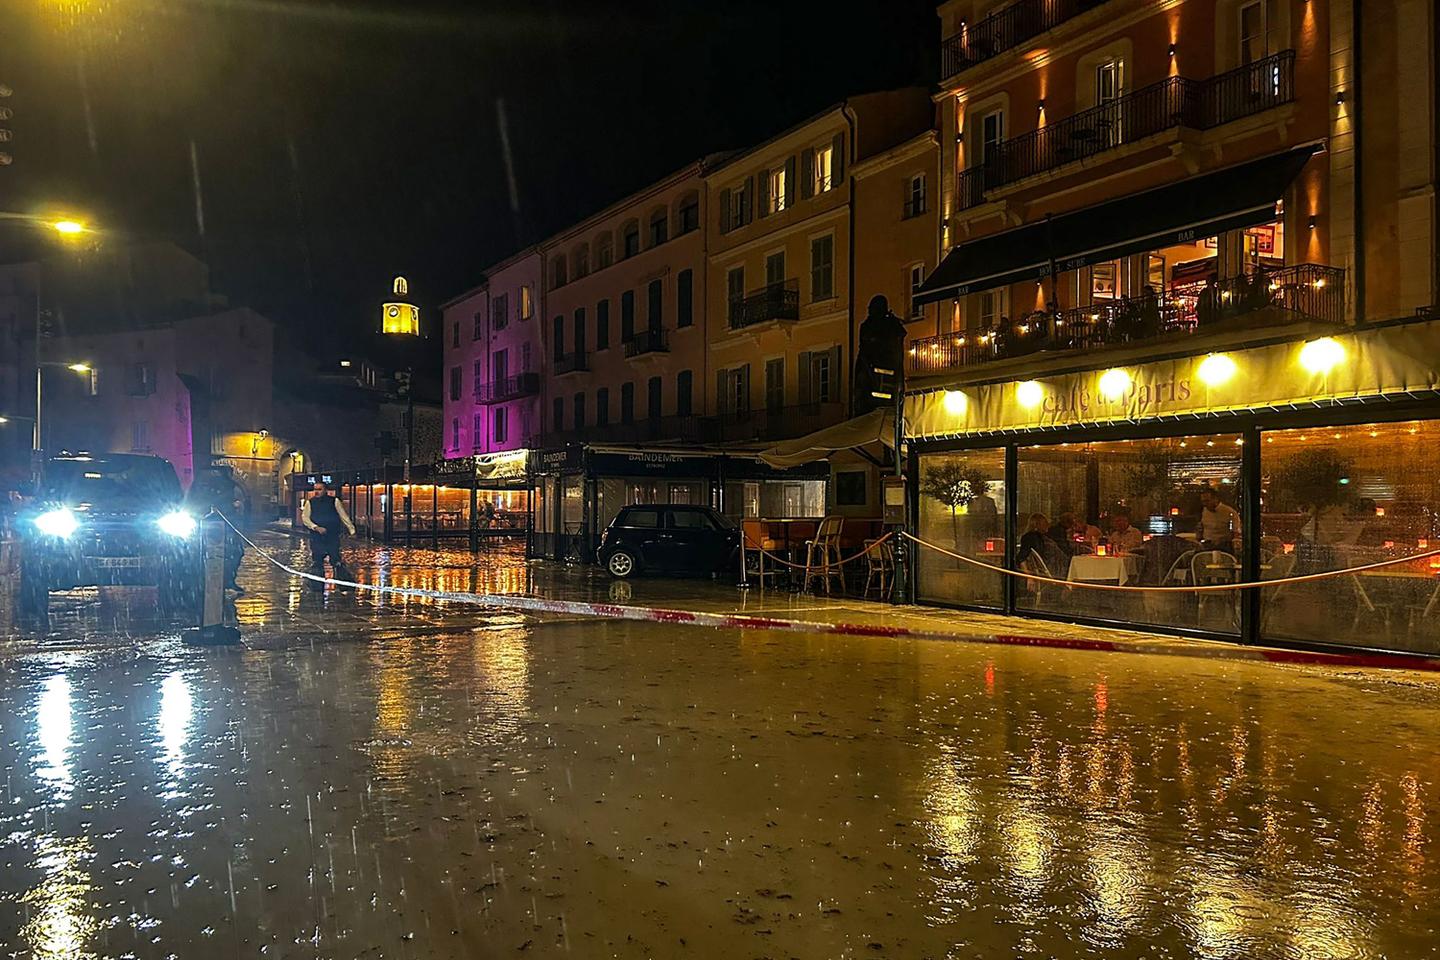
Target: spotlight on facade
(1029, 394)
(1323, 355)
(955, 402)
(1114, 383)
(1215, 369)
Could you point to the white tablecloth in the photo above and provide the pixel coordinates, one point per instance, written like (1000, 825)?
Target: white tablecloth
(1093, 569)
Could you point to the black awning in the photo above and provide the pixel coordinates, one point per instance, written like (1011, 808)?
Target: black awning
(1230, 199)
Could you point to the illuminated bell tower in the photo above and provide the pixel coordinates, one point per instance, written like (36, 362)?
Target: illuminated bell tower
(399, 317)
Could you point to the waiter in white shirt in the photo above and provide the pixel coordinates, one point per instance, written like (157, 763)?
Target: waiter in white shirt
(1219, 522)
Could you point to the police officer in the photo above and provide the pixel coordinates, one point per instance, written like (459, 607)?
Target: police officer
(323, 515)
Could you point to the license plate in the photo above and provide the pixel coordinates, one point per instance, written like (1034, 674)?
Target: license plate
(119, 563)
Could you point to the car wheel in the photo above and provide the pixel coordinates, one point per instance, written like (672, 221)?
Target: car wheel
(621, 564)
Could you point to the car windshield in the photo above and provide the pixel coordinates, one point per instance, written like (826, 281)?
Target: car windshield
(137, 482)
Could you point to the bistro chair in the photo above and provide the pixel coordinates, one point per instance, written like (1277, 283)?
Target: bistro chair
(1209, 567)
(1364, 605)
(757, 539)
(822, 555)
(880, 565)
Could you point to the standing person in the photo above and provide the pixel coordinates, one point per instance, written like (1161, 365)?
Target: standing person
(323, 515)
(1219, 522)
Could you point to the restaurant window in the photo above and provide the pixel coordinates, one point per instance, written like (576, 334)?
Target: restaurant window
(775, 384)
(501, 431)
(602, 407)
(684, 298)
(653, 391)
(1105, 281)
(961, 498)
(500, 310)
(1155, 272)
(822, 267)
(1343, 497)
(527, 304)
(627, 403)
(557, 415)
(684, 393)
(1158, 512)
(579, 416)
(602, 325)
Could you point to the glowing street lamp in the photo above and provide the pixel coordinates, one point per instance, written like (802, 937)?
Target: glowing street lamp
(69, 228)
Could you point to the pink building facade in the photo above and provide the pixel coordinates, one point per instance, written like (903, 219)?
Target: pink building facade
(492, 360)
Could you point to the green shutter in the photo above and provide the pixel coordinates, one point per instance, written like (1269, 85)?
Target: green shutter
(725, 225)
(807, 173)
(803, 369)
(790, 182)
(837, 162)
(764, 193)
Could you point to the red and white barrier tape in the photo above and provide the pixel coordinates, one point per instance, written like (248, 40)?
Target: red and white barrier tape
(740, 621)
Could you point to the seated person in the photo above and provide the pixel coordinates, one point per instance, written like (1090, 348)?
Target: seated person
(1034, 538)
(1123, 537)
(1075, 535)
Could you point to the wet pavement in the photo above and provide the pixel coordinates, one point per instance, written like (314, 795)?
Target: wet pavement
(371, 777)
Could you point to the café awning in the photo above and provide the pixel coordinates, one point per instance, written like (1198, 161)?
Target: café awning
(877, 426)
(1230, 199)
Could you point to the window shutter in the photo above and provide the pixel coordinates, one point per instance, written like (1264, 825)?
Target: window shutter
(837, 164)
(745, 388)
(765, 193)
(835, 375)
(749, 213)
(720, 409)
(790, 182)
(807, 174)
(804, 378)
(725, 224)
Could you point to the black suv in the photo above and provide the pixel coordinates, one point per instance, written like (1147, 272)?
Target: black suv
(663, 538)
(108, 519)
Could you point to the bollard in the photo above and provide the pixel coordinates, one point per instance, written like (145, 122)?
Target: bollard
(212, 630)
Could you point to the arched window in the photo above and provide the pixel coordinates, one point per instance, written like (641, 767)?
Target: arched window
(580, 261)
(604, 250)
(659, 226)
(687, 213)
(629, 239)
(557, 271)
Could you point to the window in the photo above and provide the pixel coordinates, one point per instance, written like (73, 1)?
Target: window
(627, 403)
(602, 407)
(140, 436)
(455, 334)
(850, 488)
(684, 393)
(499, 312)
(775, 269)
(557, 272)
(735, 206)
(819, 372)
(579, 421)
(690, 520)
(582, 262)
(477, 375)
(501, 431)
(455, 433)
(917, 280)
(992, 134)
(684, 298)
(558, 340)
(477, 431)
(479, 321)
(652, 398)
(579, 331)
(659, 228)
(961, 504)
(1259, 30)
(602, 325)
(655, 299)
(735, 390)
(527, 303)
(1109, 88)
(642, 518)
(990, 307)
(627, 315)
(775, 184)
(499, 366)
(557, 415)
(525, 357)
(454, 383)
(822, 268)
(689, 214)
(775, 384)
(823, 164)
(604, 252)
(735, 293)
(630, 240)
(915, 196)
(140, 380)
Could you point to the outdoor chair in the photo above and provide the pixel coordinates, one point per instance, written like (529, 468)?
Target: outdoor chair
(880, 565)
(757, 540)
(1211, 567)
(822, 555)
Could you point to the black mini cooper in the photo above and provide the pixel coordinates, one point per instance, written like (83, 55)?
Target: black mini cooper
(668, 539)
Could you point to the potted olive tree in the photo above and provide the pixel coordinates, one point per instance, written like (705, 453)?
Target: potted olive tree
(954, 484)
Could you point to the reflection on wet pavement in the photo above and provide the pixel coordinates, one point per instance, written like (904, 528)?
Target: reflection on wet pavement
(443, 782)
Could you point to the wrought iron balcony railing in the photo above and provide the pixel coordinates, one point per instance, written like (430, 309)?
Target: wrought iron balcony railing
(510, 388)
(778, 301)
(1171, 103)
(1304, 291)
(1006, 29)
(648, 341)
(778, 423)
(573, 362)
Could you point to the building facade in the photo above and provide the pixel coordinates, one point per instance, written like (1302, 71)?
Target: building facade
(492, 360)
(1185, 318)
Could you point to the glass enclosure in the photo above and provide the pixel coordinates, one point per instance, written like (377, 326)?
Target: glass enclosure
(962, 499)
(775, 499)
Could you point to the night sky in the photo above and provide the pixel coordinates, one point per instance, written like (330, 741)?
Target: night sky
(342, 143)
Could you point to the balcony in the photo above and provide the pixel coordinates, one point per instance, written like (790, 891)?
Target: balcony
(675, 429)
(779, 423)
(1170, 104)
(778, 301)
(1305, 292)
(648, 341)
(576, 361)
(1006, 29)
(510, 388)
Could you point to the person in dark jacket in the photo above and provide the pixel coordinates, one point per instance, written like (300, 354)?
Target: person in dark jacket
(324, 516)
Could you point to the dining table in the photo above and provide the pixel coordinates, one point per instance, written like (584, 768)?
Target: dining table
(1093, 568)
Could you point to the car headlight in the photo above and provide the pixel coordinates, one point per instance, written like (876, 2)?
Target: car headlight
(177, 524)
(60, 522)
